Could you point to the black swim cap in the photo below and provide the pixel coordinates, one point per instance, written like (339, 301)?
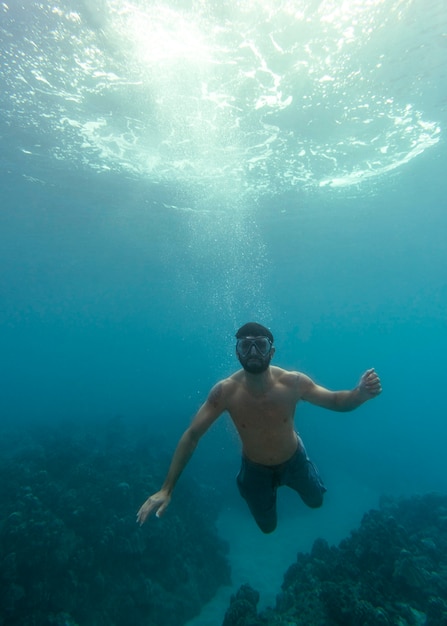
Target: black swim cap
(252, 329)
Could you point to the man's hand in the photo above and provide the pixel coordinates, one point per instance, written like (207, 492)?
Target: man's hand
(157, 504)
(369, 385)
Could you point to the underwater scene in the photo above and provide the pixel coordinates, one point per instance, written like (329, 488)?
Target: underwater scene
(171, 171)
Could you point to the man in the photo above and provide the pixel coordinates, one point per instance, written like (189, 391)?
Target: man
(261, 400)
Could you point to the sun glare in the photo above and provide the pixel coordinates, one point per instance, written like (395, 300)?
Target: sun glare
(163, 35)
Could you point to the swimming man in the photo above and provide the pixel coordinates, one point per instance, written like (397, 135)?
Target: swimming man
(261, 400)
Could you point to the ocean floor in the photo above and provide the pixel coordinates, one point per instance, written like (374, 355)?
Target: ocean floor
(261, 560)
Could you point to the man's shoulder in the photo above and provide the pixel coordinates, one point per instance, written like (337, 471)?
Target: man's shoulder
(285, 376)
(226, 384)
(279, 375)
(234, 379)
(222, 392)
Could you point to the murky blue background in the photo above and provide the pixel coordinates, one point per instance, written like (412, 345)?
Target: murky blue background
(169, 173)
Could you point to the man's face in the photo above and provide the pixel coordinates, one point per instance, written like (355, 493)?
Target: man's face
(254, 353)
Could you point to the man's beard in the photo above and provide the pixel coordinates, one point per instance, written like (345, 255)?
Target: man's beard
(256, 365)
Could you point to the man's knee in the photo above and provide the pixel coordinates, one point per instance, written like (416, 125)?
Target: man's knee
(266, 520)
(315, 504)
(313, 496)
(314, 501)
(267, 527)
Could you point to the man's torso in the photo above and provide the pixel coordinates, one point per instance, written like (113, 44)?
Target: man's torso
(264, 418)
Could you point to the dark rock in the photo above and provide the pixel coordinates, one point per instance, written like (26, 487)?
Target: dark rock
(70, 549)
(242, 610)
(391, 570)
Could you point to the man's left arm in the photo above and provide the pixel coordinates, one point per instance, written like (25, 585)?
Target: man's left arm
(369, 387)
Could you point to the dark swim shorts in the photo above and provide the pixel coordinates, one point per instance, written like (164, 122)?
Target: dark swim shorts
(258, 485)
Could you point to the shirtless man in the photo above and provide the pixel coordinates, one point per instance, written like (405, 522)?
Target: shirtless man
(261, 400)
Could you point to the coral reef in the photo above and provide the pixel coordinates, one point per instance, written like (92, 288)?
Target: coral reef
(392, 571)
(70, 549)
(242, 611)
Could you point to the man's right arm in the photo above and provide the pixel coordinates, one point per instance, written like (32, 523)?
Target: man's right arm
(212, 408)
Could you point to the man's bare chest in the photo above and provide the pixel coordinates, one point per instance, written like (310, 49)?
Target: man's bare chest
(262, 410)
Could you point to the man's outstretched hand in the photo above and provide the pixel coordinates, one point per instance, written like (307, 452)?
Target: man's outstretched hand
(157, 504)
(370, 385)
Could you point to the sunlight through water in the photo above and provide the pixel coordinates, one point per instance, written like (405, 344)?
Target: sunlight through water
(260, 95)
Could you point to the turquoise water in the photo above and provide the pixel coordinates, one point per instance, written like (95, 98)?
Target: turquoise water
(172, 170)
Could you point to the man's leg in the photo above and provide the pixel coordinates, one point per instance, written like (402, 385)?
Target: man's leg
(257, 485)
(301, 475)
